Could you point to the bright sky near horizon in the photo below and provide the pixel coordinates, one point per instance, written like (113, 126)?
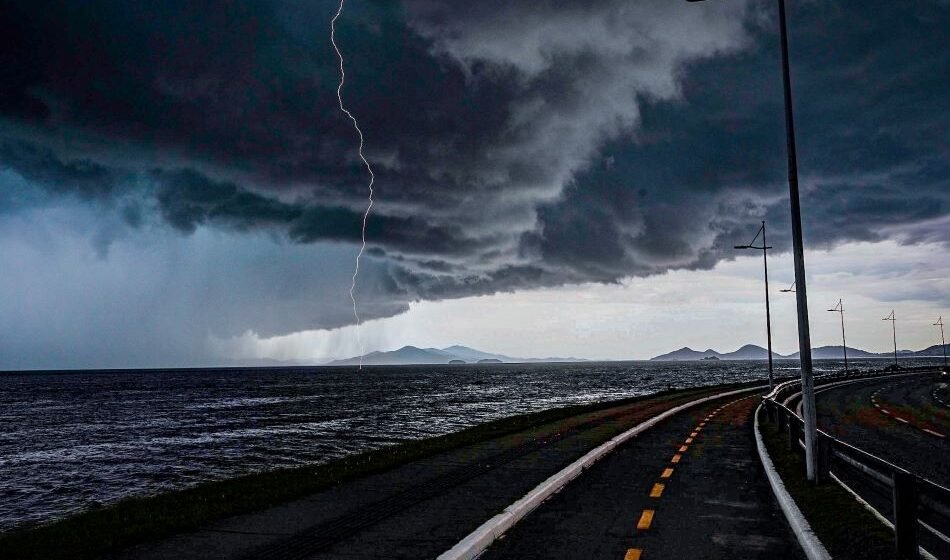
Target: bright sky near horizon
(178, 186)
(643, 317)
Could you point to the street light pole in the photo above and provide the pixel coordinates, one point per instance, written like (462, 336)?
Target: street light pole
(804, 336)
(943, 341)
(798, 251)
(768, 313)
(893, 319)
(844, 345)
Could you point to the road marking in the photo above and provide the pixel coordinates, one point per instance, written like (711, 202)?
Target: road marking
(703, 423)
(885, 411)
(902, 420)
(667, 472)
(657, 490)
(688, 441)
(676, 458)
(646, 518)
(632, 554)
(694, 434)
(683, 448)
(933, 433)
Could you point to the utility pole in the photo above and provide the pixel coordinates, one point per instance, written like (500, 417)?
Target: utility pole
(768, 313)
(844, 345)
(893, 319)
(943, 341)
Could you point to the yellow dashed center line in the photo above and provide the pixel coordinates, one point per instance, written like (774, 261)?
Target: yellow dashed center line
(646, 519)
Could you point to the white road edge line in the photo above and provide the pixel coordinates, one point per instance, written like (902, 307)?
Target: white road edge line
(488, 532)
(809, 542)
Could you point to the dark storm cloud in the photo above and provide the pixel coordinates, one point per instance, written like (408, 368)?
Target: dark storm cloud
(516, 145)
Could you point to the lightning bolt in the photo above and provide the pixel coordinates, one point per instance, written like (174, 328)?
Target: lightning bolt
(369, 169)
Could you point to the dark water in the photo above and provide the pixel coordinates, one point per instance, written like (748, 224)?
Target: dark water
(71, 441)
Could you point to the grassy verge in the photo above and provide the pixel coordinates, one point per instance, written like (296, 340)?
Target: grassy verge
(103, 531)
(843, 525)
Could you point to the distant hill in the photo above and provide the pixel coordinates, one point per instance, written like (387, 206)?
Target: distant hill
(750, 352)
(835, 353)
(934, 351)
(753, 352)
(684, 354)
(747, 352)
(411, 355)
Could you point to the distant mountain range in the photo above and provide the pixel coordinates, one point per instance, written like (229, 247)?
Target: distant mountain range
(411, 355)
(753, 352)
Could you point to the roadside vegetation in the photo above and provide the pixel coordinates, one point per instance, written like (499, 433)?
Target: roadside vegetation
(104, 531)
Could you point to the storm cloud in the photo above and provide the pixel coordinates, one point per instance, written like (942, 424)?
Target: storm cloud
(516, 144)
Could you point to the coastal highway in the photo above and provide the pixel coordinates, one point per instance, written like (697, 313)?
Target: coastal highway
(691, 488)
(902, 421)
(707, 492)
(898, 420)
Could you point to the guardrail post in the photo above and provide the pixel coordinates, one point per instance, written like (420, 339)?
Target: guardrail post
(905, 515)
(824, 458)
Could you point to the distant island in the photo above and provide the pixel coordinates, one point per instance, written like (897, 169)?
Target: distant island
(753, 352)
(411, 355)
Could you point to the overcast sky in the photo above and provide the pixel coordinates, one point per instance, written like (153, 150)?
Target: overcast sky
(178, 185)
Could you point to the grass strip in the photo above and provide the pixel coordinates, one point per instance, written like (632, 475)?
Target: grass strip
(845, 527)
(103, 531)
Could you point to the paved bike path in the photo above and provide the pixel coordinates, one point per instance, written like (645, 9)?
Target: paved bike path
(691, 487)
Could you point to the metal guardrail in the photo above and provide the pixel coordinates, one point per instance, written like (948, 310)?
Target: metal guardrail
(915, 502)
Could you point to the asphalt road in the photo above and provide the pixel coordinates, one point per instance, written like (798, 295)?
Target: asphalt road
(692, 487)
(893, 430)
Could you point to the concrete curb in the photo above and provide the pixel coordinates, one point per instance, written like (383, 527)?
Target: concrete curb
(809, 542)
(481, 538)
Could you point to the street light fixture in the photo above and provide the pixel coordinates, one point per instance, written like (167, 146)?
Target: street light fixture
(844, 345)
(893, 319)
(798, 252)
(943, 341)
(788, 289)
(768, 315)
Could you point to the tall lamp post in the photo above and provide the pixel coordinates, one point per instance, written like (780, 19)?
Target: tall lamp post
(844, 345)
(798, 250)
(768, 313)
(943, 341)
(893, 320)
